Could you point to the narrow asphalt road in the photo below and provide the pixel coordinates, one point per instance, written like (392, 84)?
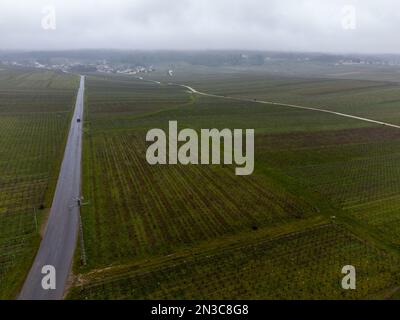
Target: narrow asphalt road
(59, 241)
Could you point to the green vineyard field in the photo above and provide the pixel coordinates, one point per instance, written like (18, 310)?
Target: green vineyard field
(35, 111)
(282, 268)
(174, 232)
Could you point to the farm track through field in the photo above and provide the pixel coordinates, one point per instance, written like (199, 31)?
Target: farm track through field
(192, 90)
(289, 105)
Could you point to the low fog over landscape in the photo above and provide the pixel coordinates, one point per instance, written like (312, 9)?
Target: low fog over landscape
(291, 25)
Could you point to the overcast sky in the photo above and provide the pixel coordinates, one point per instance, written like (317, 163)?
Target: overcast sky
(289, 25)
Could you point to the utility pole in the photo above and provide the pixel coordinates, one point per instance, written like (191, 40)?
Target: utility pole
(35, 218)
(83, 252)
(82, 242)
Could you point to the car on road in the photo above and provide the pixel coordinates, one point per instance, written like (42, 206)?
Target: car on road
(78, 120)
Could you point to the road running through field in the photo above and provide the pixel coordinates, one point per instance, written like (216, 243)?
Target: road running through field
(289, 105)
(194, 91)
(60, 237)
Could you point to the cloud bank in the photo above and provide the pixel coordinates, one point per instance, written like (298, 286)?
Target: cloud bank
(287, 25)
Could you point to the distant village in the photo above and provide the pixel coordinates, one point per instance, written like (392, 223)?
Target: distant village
(356, 61)
(105, 66)
(100, 66)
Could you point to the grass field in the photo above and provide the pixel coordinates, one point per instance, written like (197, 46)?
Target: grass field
(195, 231)
(378, 100)
(354, 168)
(283, 268)
(35, 109)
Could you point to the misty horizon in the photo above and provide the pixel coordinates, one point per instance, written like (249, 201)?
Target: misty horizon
(227, 50)
(337, 27)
